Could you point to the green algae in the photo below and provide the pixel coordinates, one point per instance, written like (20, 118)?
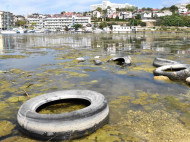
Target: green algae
(16, 99)
(3, 106)
(12, 56)
(6, 128)
(18, 139)
(62, 107)
(146, 68)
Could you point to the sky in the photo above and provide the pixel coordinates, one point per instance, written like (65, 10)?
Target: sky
(24, 7)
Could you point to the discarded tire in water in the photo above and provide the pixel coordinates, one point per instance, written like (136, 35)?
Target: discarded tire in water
(174, 72)
(158, 62)
(64, 126)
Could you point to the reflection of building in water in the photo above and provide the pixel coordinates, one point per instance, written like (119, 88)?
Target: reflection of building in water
(1, 44)
(17, 42)
(111, 49)
(148, 43)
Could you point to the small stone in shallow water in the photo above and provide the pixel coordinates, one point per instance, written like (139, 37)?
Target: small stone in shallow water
(164, 78)
(188, 80)
(97, 57)
(80, 59)
(97, 62)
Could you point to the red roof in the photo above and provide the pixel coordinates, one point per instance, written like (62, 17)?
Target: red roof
(186, 13)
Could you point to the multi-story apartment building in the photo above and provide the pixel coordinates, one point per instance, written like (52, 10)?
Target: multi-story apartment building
(58, 21)
(6, 20)
(106, 4)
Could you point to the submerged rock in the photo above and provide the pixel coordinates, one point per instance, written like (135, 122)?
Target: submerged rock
(97, 62)
(126, 60)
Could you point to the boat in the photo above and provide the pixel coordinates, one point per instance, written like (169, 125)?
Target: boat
(21, 30)
(8, 32)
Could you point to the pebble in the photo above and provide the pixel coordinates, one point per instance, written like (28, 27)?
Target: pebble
(165, 78)
(188, 80)
(80, 59)
(97, 62)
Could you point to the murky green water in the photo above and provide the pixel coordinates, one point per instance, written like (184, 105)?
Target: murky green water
(141, 108)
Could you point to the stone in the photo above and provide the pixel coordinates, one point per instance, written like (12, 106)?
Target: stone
(97, 62)
(164, 78)
(188, 80)
(97, 57)
(81, 59)
(126, 60)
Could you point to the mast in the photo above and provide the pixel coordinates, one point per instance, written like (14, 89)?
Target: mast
(7, 19)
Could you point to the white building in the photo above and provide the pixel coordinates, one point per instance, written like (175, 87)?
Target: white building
(96, 14)
(110, 12)
(123, 29)
(182, 10)
(163, 13)
(5, 19)
(59, 21)
(125, 15)
(146, 15)
(106, 4)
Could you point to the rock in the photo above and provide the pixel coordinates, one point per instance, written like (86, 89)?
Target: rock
(97, 57)
(97, 62)
(126, 60)
(164, 78)
(188, 80)
(81, 59)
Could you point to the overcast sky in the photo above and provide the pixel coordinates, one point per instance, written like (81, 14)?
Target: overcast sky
(24, 7)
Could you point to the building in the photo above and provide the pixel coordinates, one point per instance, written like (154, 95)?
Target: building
(19, 18)
(163, 13)
(146, 15)
(125, 15)
(96, 14)
(182, 10)
(58, 21)
(106, 4)
(6, 20)
(123, 29)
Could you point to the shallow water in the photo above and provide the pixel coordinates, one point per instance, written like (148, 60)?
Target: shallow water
(141, 108)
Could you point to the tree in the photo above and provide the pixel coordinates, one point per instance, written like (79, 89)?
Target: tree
(20, 23)
(66, 28)
(99, 9)
(188, 6)
(138, 16)
(103, 25)
(62, 12)
(173, 9)
(77, 26)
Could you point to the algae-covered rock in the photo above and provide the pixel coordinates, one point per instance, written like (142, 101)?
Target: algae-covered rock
(6, 128)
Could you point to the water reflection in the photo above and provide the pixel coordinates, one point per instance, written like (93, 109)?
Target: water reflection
(1, 45)
(111, 43)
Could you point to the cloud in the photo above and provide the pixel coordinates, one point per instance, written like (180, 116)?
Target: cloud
(25, 7)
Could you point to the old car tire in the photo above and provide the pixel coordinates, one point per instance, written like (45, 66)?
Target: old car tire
(158, 62)
(180, 71)
(63, 126)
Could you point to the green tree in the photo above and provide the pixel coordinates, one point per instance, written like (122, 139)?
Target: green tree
(20, 23)
(173, 9)
(77, 26)
(138, 16)
(66, 28)
(188, 6)
(99, 9)
(103, 25)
